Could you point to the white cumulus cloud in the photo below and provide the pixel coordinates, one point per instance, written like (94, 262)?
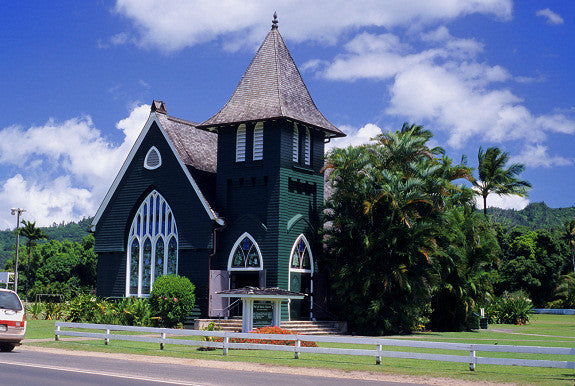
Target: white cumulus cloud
(355, 137)
(551, 17)
(503, 202)
(538, 156)
(62, 169)
(171, 25)
(440, 80)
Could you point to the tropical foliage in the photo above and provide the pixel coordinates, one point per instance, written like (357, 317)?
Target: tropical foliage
(65, 268)
(510, 309)
(72, 231)
(406, 246)
(382, 224)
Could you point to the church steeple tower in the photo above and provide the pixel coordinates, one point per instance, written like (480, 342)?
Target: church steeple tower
(269, 182)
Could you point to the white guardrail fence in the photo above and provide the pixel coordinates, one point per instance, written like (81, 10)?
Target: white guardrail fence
(377, 343)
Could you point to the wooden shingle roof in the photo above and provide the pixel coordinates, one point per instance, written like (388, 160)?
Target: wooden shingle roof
(196, 148)
(272, 87)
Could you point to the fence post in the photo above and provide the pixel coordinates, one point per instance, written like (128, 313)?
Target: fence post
(225, 348)
(162, 338)
(57, 335)
(472, 358)
(106, 339)
(297, 346)
(378, 357)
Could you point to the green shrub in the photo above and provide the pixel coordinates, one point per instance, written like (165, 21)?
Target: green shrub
(510, 309)
(172, 300)
(133, 312)
(81, 309)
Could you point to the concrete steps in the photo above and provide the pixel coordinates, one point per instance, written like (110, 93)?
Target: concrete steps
(302, 326)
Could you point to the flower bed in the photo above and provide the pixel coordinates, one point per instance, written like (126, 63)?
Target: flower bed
(271, 330)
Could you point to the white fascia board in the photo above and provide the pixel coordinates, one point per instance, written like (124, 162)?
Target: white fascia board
(151, 119)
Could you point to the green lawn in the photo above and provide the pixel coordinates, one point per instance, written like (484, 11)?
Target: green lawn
(544, 330)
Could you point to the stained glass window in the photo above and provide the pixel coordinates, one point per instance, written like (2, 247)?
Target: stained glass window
(246, 254)
(159, 257)
(301, 255)
(172, 256)
(134, 266)
(153, 223)
(146, 266)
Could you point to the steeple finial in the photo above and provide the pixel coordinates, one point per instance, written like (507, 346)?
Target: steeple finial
(275, 21)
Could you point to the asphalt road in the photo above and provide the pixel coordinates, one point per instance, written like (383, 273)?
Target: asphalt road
(23, 367)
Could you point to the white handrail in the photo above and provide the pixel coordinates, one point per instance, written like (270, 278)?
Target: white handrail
(377, 352)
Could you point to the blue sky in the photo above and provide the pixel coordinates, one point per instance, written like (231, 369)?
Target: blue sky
(78, 79)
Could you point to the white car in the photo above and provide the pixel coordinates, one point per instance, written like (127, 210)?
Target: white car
(12, 320)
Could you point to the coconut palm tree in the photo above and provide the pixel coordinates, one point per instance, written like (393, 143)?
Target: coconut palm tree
(495, 178)
(32, 234)
(569, 237)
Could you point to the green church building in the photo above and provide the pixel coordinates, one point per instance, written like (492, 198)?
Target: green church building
(231, 202)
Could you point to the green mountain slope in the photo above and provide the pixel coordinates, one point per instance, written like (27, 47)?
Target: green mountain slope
(72, 231)
(534, 216)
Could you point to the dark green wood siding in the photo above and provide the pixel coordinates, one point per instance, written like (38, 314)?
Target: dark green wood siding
(262, 197)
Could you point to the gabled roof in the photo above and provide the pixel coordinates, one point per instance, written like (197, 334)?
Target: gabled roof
(196, 148)
(183, 137)
(272, 87)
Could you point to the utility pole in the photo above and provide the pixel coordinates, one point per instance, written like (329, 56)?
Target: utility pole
(18, 212)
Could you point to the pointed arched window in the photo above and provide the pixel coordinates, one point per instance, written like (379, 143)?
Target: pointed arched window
(241, 143)
(245, 254)
(148, 254)
(301, 259)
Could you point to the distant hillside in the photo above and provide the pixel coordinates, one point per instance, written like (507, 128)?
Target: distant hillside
(534, 216)
(71, 231)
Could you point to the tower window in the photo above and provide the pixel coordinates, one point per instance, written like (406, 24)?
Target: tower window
(241, 143)
(258, 141)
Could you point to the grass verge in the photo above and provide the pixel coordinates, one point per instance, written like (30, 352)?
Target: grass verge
(544, 330)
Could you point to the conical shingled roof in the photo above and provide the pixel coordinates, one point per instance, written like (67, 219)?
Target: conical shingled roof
(272, 87)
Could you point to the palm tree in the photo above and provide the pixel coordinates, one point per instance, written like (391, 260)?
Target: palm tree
(33, 234)
(494, 178)
(569, 237)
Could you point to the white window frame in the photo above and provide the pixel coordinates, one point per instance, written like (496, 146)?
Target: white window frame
(258, 145)
(236, 245)
(241, 143)
(300, 270)
(166, 235)
(146, 165)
